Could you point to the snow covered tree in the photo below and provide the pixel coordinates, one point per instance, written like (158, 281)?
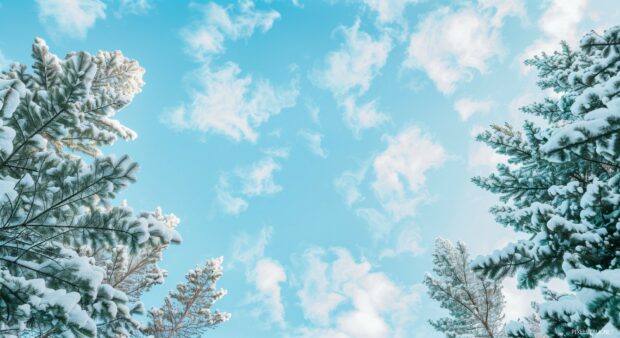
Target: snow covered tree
(136, 273)
(71, 264)
(561, 186)
(187, 310)
(475, 303)
(527, 327)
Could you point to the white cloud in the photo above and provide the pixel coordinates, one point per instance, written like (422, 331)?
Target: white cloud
(281, 152)
(561, 21)
(207, 36)
(389, 10)
(264, 273)
(348, 185)
(361, 117)
(407, 241)
(380, 225)
(314, 142)
(258, 179)
(449, 45)
(349, 72)
(249, 249)
(230, 204)
(225, 101)
(355, 64)
(397, 237)
(467, 107)
(400, 171)
(71, 17)
(558, 22)
(314, 111)
(135, 6)
(230, 104)
(316, 299)
(518, 301)
(345, 298)
(504, 8)
(268, 274)
(255, 180)
(398, 181)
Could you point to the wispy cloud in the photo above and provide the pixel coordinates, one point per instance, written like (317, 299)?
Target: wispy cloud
(563, 22)
(231, 104)
(266, 274)
(230, 204)
(379, 224)
(389, 11)
(360, 117)
(206, 36)
(225, 101)
(314, 112)
(351, 68)
(408, 240)
(348, 184)
(449, 45)
(400, 171)
(134, 6)
(313, 142)
(234, 189)
(70, 17)
(467, 107)
(397, 178)
(345, 297)
(348, 73)
(257, 180)
(389, 15)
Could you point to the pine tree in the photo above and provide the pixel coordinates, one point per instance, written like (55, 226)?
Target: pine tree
(475, 303)
(561, 187)
(71, 264)
(187, 310)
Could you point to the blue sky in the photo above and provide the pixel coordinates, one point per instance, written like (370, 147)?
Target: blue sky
(319, 146)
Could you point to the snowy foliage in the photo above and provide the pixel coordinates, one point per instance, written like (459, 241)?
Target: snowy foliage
(561, 187)
(71, 264)
(475, 303)
(187, 310)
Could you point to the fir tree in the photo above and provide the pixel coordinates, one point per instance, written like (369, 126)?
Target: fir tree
(475, 303)
(561, 187)
(71, 264)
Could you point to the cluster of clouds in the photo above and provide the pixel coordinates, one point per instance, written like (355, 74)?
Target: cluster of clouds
(339, 295)
(230, 104)
(207, 36)
(344, 297)
(396, 179)
(225, 101)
